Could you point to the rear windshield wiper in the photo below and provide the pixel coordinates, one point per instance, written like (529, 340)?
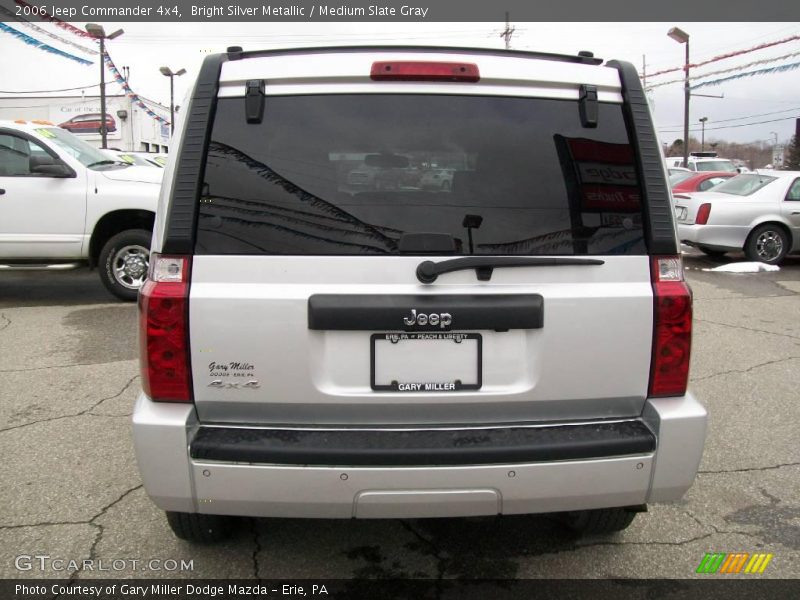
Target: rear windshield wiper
(428, 271)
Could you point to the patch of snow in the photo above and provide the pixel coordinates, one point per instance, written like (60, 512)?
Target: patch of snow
(744, 267)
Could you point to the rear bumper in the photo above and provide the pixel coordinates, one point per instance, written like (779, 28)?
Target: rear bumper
(525, 470)
(714, 236)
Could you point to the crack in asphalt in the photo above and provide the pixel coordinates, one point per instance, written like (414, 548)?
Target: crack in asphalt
(436, 552)
(747, 370)
(748, 469)
(256, 550)
(86, 411)
(69, 366)
(4, 321)
(100, 529)
(793, 337)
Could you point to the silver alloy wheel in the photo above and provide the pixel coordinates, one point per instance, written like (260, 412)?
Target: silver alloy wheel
(130, 265)
(769, 245)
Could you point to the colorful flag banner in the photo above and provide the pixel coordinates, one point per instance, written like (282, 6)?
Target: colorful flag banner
(31, 41)
(37, 29)
(769, 71)
(123, 83)
(731, 70)
(728, 55)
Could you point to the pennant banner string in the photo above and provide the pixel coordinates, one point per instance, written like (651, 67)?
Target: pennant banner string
(31, 41)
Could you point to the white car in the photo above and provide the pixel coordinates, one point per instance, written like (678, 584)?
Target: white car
(758, 213)
(702, 161)
(65, 203)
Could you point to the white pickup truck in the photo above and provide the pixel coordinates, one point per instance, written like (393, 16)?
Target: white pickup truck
(64, 203)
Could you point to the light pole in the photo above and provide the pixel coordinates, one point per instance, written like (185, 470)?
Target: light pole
(97, 32)
(703, 134)
(682, 37)
(167, 72)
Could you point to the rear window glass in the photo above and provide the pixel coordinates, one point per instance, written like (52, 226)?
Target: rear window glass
(744, 185)
(354, 174)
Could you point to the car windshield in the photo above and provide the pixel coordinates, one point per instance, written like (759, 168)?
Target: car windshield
(715, 165)
(744, 185)
(353, 174)
(86, 154)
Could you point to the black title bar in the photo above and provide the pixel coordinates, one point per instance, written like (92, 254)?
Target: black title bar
(408, 10)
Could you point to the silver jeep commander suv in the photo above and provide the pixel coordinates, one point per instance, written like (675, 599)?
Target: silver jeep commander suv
(514, 342)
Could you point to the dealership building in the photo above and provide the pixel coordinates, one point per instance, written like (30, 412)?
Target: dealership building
(130, 128)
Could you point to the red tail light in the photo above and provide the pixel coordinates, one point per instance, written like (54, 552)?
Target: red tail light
(424, 71)
(163, 330)
(702, 214)
(672, 335)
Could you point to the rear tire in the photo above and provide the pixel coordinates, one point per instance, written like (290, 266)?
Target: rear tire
(124, 261)
(599, 521)
(200, 529)
(767, 243)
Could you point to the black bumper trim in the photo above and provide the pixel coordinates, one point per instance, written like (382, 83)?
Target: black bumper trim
(427, 447)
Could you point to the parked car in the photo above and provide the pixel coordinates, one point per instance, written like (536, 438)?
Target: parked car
(703, 161)
(437, 179)
(701, 182)
(756, 213)
(89, 123)
(65, 203)
(314, 351)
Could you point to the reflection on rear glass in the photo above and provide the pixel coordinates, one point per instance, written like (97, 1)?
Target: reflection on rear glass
(349, 174)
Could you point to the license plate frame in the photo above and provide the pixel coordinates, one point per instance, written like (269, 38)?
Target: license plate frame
(423, 386)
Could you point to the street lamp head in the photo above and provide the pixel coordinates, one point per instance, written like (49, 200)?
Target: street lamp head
(116, 34)
(703, 119)
(181, 72)
(679, 35)
(95, 30)
(166, 71)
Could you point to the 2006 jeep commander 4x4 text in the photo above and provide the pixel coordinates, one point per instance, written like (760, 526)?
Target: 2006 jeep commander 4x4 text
(514, 342)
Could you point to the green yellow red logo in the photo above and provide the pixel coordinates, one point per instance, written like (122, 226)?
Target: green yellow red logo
(734, 562)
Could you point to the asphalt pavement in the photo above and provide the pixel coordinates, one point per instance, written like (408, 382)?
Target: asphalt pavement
(71, 489)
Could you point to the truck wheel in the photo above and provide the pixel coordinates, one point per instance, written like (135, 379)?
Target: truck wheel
(199, 528)
(124, 262)
(599, 521)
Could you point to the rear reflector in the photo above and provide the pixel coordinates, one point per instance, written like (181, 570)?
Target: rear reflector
(702, 214)
(424, 71)
(163, 330)
(672, 334)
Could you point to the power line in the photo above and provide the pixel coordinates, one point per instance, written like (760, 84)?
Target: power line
(776, 112)
(731, 126)
(46, 91)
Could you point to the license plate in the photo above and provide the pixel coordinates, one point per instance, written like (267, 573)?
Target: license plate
(680, 213)
(425, 362)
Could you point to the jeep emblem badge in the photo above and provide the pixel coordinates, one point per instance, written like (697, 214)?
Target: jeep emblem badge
(443, 320)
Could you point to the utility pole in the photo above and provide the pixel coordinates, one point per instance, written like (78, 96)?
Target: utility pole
(97, 32)
(644, 75)
(508, 32)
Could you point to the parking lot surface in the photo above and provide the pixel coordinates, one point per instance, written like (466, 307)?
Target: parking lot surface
(69, 377)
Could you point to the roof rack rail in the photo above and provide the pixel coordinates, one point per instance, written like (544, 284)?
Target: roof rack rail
(583, 57)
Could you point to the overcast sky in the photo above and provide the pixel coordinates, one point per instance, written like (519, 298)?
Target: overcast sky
(146, 46)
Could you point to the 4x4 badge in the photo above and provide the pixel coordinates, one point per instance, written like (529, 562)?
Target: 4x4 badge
(443, 320)
(218, 383)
